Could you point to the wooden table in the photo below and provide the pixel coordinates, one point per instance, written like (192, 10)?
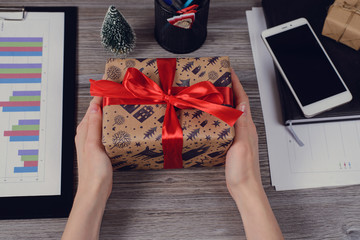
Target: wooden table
(189, 203)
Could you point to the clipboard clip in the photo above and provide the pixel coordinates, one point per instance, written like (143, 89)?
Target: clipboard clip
(12, 13)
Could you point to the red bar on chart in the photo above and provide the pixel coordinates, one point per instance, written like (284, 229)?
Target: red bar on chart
(31, 164)
(21, 133)
(20, 104)
(20, 49)
(20, 75)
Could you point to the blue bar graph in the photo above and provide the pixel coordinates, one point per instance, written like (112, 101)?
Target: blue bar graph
(24, 138)
(26, 93)
(25, 169)
(19, 65)
(21, 54)
(21, 109)
(29, 122)
(20, 80)
(28, 152)
(21, 39)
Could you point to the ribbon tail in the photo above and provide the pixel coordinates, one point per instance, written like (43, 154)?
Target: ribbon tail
(227, 114)
(107, 88)
(172, 139)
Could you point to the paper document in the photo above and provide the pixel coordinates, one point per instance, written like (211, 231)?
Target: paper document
(31, 75)
(330, 156)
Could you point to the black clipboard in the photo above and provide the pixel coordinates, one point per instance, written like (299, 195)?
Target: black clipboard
(53, 205)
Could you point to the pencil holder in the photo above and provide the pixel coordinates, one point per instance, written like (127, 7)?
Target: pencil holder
(181, 31)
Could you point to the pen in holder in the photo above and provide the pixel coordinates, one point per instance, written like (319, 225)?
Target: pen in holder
(181, 27)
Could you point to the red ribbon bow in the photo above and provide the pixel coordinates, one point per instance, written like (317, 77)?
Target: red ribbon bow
(139, 89)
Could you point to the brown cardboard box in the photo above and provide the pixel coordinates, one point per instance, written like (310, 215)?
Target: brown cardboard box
(132, 134)
(343, 23)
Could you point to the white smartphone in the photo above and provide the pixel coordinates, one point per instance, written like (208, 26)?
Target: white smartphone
(306, 67)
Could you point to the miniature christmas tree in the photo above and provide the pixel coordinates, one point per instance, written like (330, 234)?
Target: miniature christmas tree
(116, 33)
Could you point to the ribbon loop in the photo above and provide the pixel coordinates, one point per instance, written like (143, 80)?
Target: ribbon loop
(141, 86)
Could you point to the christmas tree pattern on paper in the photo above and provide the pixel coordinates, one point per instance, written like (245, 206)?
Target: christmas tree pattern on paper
(148, 154)
(193, 134)
(195, 152)
(150, 133)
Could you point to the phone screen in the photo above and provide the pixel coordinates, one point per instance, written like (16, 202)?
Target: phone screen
(306, 66)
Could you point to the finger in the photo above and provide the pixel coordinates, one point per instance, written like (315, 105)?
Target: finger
(81, 132)
(97, 100)
(244, 106)
(241, 98)
(95, 123)
(239, 93)
(82, 129)
(245, 129)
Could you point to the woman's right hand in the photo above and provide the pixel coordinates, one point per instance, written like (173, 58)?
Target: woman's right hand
(243, 174)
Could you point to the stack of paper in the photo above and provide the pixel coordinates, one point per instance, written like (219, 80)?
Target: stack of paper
(330, 156)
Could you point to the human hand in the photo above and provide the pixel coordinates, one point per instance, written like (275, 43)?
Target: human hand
(243, 174)
(242, 160)
(95, 177)
(94, 166)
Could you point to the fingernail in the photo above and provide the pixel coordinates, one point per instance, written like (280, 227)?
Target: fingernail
(243, 108)
(94, 108)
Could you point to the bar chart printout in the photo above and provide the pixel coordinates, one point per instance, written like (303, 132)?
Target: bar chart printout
(31, 102)
(20, 73)
(26, 131)
(21, 82)
(22, 101)
(21, 46)
(30, 158)
(20, 135)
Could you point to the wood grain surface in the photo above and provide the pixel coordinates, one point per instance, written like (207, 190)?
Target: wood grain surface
(189, 203)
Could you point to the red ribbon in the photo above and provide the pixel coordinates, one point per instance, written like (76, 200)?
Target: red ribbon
(139, 89)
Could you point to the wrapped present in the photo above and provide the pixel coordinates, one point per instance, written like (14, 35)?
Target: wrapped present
(167, 113)
(343, 23)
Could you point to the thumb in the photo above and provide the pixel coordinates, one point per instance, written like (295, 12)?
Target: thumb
(243, 119)
(94, 124)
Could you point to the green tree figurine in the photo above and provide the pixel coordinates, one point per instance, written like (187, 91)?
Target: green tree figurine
(116, 33)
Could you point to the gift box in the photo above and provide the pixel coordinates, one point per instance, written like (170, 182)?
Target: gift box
(166, 113)
(343, 23)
